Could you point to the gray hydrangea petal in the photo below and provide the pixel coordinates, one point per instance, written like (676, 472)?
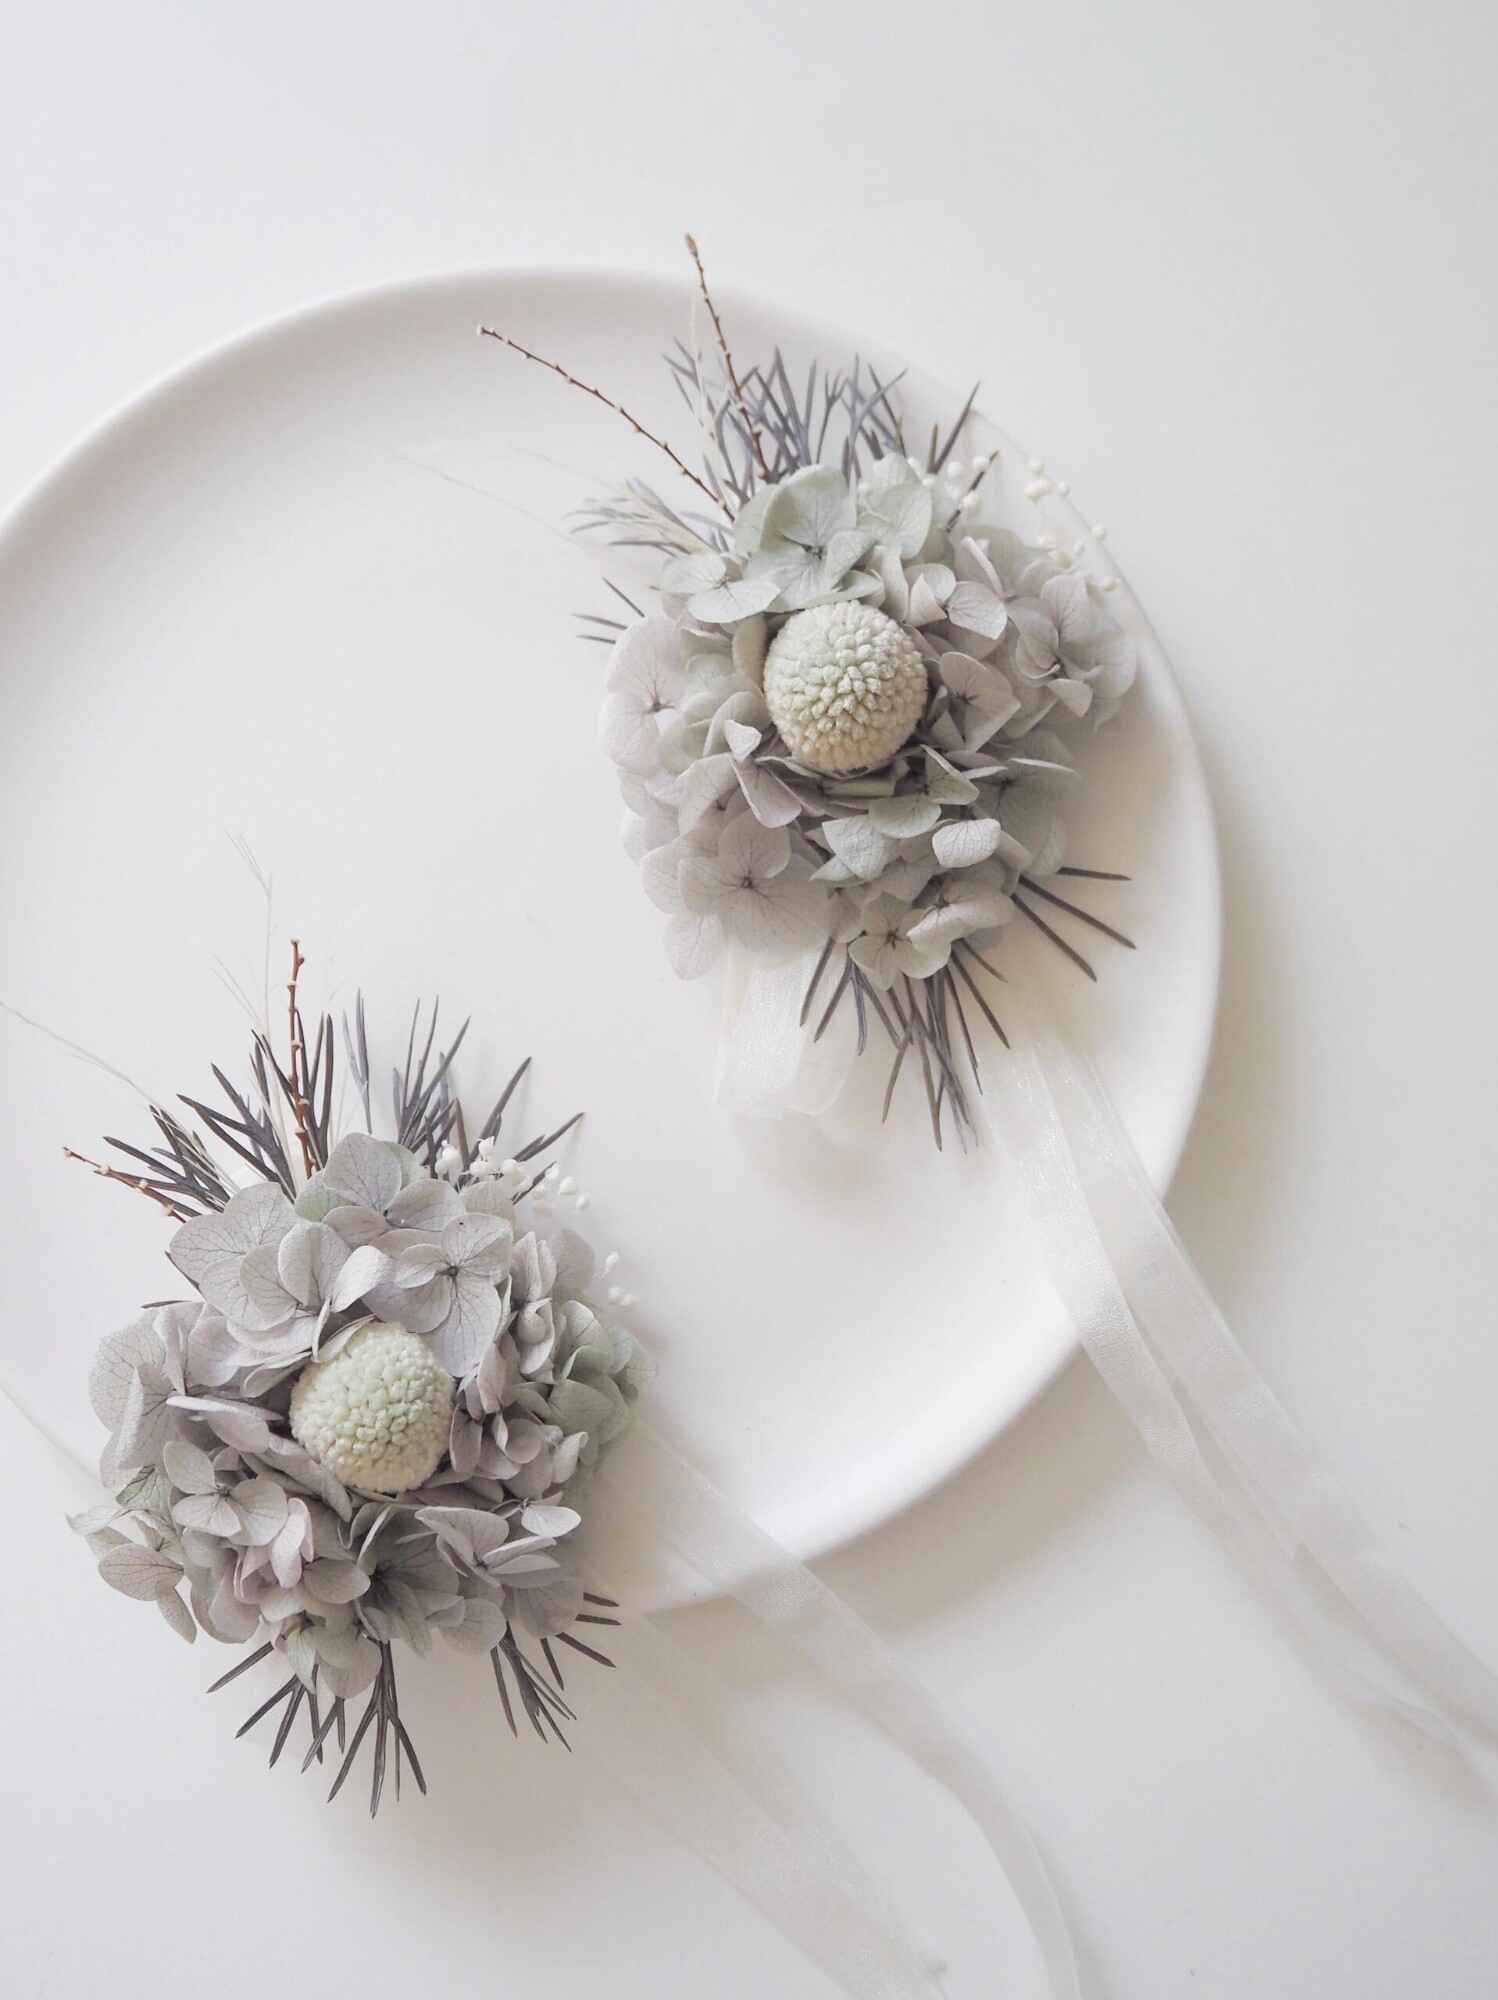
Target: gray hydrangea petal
(146, 1421)
(361, 1271)
(238, 1424)
(300, 1466)
(533, 1269)
(347, 1661)
(488, 1197)
(804, 575)
(291, 1546)
(693, 944)
(264, 1302)
(208, 1513)
(189, 1467)
(535, 1323)
(778, 919)
(749, 523)
(367, 1172)
(946, 784)
(212, 1355)
(1033, 815)
(963, 843)
(736, 598)
(493, 1372)
(696, 569)
(579, 1406)
(575, 1262)
(810, 507)
(904, 816)
(464, 1440)
(216, 1607)
(419, 1308)
(426, 1204)
(140, 1573)
(1111, 665)
(334, 1580)
(478, 1244)
(208, 1249)
(471, 1323)
(308, 1260)
(931, 587)
(470, 1534)
(551, 1520)
(550, 1606)
(771, 801)
(894, 506)
(859, 845)
(483, 1625)
(977, 612)
(1069, 605)
(355, 1223)
(177, 1615)
(119, 1357)
(316, 1199)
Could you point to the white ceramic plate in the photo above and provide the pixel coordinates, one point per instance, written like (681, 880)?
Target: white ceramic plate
(312, 590)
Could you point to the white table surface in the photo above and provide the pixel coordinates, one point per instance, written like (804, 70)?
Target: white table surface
(1232, 272)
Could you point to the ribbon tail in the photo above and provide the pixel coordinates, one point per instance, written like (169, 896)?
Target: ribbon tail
(1159, 1341)
(768, 1062)
(690, 1529)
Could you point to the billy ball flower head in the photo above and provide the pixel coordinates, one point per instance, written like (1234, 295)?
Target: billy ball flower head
(845, 686)
(378, 1414)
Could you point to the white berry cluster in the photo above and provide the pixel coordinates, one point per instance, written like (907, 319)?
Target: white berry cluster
(844, 685)
(378, 1414)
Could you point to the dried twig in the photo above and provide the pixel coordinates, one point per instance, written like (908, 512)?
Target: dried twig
(492, 333)
(300, 1108)
(733, 378)
(144, 1187)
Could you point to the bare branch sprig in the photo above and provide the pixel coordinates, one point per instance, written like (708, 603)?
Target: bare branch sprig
(492, 333)
(141, 1186)
(733, 376)
(300, 1108)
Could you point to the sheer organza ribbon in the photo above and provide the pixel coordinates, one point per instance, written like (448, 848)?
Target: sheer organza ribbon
(1156, 1336)
(765, 1830)
(1158, 1339)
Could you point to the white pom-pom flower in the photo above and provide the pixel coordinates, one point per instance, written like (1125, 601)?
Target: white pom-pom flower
(378, 1414)
(845, 686)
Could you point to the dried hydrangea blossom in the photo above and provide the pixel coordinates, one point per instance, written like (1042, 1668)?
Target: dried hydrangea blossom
(374, 1420)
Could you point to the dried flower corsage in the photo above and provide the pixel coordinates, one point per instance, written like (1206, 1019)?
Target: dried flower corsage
(372, 1416)
(842, 736)
(847, 741)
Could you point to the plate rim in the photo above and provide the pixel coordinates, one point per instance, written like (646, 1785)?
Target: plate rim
(1049, 1356)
